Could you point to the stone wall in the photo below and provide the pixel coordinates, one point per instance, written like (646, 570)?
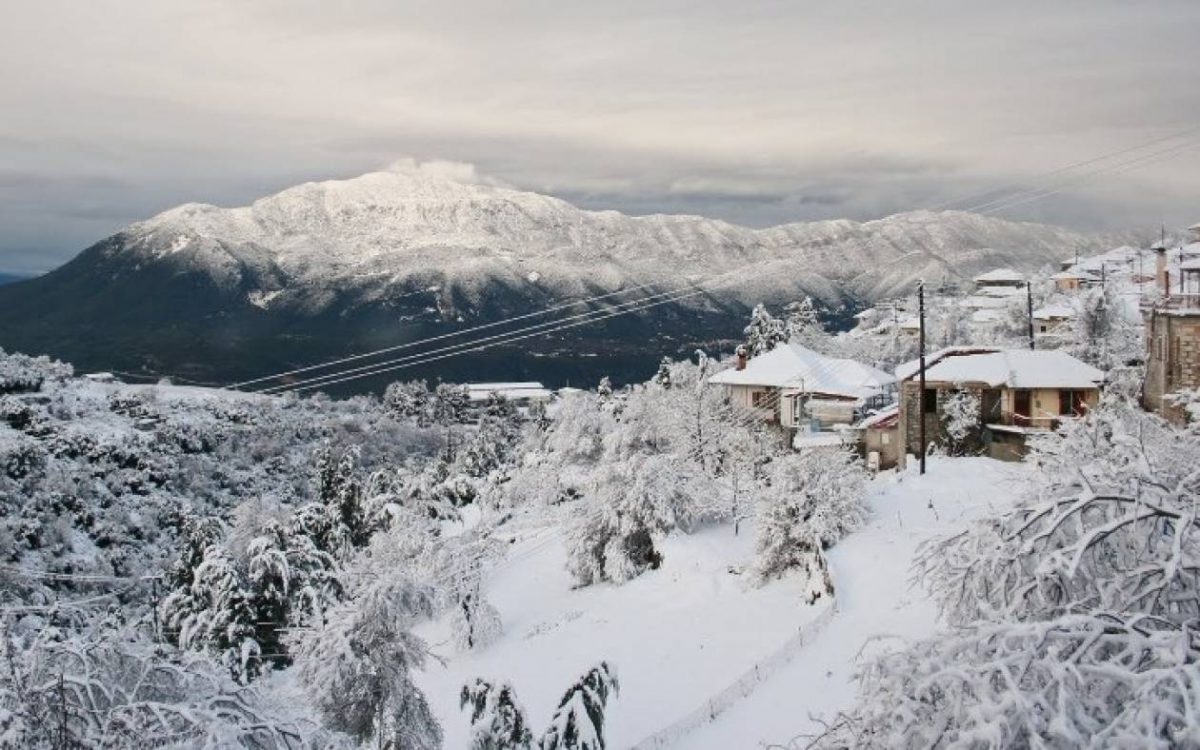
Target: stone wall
(1173, 361)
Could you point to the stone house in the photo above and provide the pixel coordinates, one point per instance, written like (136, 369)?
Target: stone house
(1172, 340)
(1019, 392)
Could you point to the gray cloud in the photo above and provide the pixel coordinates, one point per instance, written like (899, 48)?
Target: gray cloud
(758, 112)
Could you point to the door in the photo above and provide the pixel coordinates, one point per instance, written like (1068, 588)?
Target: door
(1021, 407)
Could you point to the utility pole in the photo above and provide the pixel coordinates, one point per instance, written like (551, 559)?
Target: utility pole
(1102, 279)
(921, 372)
(1029, 310)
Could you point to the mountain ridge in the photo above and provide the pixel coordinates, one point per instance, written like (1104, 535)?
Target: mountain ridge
(323, 268)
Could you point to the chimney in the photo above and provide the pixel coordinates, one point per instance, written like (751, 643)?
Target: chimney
(741, 357)
(1160, 269)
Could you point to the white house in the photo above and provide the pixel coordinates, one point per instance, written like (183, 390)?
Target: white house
(999, 282)
(522, 393)
(800, 389)
(1053, 319)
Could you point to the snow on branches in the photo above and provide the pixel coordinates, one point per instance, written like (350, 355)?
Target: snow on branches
(497, 719)
(578, 722)
(357, 668)
(1077, 681)
(1109, 523)
(115, 689)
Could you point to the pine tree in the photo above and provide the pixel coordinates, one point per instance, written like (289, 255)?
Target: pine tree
(578, 723)
(764, 333)
(497, 719)
(803, 325)
(663, 376)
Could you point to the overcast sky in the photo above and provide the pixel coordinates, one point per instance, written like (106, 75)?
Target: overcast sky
(755, 112)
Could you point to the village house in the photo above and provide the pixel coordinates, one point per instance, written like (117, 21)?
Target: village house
(1019, 392)
(878, 439)
(1172, 339)
(1001, 282)
(803, 391)
(1053, 320)
(520, 394)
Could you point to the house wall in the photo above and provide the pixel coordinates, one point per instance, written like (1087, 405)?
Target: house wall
(1067, 285)
(742, 397)
(1172, 362)
(1044, 408)
(885, 441)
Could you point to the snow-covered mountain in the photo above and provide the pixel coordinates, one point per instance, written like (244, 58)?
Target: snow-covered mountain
(325, 268)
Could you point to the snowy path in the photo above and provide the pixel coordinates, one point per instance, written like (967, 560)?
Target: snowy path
(875, 602)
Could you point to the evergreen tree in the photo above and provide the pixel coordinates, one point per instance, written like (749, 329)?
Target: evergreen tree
(578, 723)
(663, 376)
(497, 720)
(410, 400)
(764, 333)
(803, 325)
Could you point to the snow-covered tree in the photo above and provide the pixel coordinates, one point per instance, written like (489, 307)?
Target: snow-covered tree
(662, 378)
(803, 325)
(1104, 334)
(578, 722)
(813, 500)
(497, 719)
(357, 668)
(764, 332)
(1075, 681)
(1107, 524)
(410, 400)
(961, 416)
(113, 688)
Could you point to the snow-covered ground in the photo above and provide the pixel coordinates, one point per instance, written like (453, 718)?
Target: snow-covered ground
(876, 604)
(675, 636)
(681, 634)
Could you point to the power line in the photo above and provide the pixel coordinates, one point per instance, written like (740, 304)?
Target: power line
(552, 326)
(440, 337)
(501, 338)
(1038, 193)
(1060, 170)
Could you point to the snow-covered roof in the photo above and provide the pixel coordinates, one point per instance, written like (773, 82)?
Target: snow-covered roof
(1190, 265)
(803, 440)
(910, 368)
(1017, 368)
(880, 419)
(999, 276)
(795, 366)
(1195, 227)
(986, 316)
(531, 390)
(1055, 311)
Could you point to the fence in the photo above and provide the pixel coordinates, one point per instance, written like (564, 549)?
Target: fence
(741, 687)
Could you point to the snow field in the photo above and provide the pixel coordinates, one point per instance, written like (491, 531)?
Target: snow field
(676, 636)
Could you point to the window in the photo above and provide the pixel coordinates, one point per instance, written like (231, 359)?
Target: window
(1072, 403)
(760, 399)
(931, 400)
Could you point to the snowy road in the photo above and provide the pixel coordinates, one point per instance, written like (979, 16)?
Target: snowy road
(876, 604)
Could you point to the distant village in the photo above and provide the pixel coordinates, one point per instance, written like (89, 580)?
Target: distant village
(989, 388)
(1003, 361)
